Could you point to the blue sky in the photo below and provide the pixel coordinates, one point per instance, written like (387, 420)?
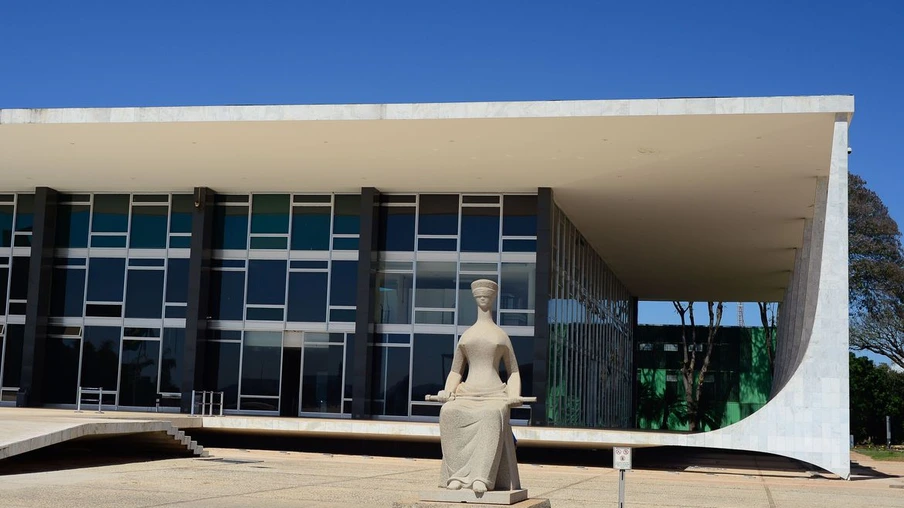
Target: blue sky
(128, 53)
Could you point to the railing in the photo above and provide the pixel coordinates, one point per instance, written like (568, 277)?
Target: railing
(207, 403)
(100, 392)
(161, 396)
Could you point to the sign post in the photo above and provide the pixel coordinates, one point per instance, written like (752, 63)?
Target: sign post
(621, 460)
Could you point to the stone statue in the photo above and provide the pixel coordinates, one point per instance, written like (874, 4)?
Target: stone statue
(475, 432)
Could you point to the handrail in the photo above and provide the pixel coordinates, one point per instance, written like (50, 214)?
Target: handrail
(207, 402)
(100, 392)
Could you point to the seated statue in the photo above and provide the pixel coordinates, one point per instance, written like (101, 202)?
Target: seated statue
(475, 432)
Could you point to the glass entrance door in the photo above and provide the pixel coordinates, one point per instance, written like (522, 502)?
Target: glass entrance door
(322, 370)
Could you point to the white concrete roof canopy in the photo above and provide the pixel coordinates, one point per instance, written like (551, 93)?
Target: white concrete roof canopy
(685, 198)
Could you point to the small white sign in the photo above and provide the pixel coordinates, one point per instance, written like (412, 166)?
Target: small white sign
(621, 457)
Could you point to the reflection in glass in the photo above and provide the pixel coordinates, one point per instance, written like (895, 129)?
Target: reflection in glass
(221, 370)
(343, 282)
(12, 355)
(432, 359)
(519, 215)
(307, 297)
(390, 380)
(61, 370)
(25, 212)
(349, 367)
(100, 357)
(171, 360)
(72, 226)
(177, 280)
(267, 281)
(393, 298)
(148, 230)
(227, 295)
(311, 228)
(4, 279)
(321, 385)
(67, 297)
(144, 294)
(106, 277)
(6, 225)
(480, 229)
(435, 285)
(346, 214)
(181, 213)
(517, 290)
(18, 285)
(270, 213)
(438, 214)
(230, 227)
(261, 357)
(111, 213)
(396, 229)
(138, 376)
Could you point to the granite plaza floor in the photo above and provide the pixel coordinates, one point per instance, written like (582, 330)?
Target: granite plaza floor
(240, 478)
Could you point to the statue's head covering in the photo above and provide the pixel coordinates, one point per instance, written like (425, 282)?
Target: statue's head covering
(484, 287)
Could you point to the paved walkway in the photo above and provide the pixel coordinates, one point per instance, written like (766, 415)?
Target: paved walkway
(235, 478)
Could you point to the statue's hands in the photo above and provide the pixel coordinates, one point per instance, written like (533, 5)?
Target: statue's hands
(444, 396)
(514, 401)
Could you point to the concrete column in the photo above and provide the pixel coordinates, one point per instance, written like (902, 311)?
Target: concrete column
(542, 288)
(37, 308)
(368, 257)
(198, 294)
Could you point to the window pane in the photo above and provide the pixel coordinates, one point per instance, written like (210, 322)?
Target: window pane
(100, 357)
(347, 213)
(311, 228)
(519, 245)
(394, 298)
(270, 213)
(230, 227)
(307, 297)
(435, 285)
(390, 381)
(138, 375)
(519, 215)
(12, 356)
(181, 213)
(108, 241)
(61, 370)
(221, 370)
(227, 295)
(148, 227)
(437, 244)
(6, 225)
(72, 226)
(25, 212)
(266, 282)
(349, 367)
(269, 242)
(4, 280)
(479, 229)
(321, 386)
(68, 296)
(396, 229)
(263, 314)
(106, 277)
(432, 361)
(18, 286)
(343, 282)
(438, 214)
(261, 362)
(111, 213)
(517, 290)
(180, 242)
(345, 243)
(467, 307)
(177, 280)
(524, 353)
(144, 294)
(171, 360)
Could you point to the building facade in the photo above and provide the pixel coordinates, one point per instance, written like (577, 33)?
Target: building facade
(282, 286)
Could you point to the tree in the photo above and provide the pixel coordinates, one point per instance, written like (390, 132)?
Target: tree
(693, 389)
(876, 392)
(769, 332)
(876, 270)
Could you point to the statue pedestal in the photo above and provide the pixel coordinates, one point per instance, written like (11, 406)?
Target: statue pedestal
(444, 498)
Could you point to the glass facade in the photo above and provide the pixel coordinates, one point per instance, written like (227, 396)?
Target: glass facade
(283, 299)
(591, 327)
